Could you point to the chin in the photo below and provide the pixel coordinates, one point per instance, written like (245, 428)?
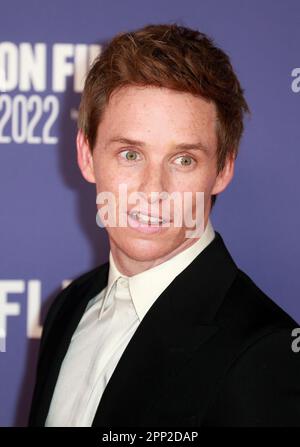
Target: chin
(144, 248)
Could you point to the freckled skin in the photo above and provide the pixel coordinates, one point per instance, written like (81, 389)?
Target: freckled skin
(161, 119)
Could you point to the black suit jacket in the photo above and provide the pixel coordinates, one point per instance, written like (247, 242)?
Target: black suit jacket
(213, 350)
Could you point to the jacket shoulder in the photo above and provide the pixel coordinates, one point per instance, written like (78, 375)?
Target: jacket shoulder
(75, 284)
(246, 305)
(81, 282)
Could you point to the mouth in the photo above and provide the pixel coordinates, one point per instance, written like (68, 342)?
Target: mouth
(146, 219)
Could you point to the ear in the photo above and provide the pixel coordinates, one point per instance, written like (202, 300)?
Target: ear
(85, 157)
(224, 177)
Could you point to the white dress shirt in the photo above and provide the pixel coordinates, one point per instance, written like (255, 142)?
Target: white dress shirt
(109, 322)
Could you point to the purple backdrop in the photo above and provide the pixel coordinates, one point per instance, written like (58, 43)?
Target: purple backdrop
(48, 230)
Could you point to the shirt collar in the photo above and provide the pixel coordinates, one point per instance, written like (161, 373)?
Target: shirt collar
(147, 286)
(113, 276)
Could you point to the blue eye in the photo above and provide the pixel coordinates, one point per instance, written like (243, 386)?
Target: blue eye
(129, 155)
(185, 160)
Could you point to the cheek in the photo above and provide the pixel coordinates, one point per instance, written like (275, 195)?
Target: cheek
(104, 181)
(105, 175)
(110, 174)
(201, 180)
(207, 177)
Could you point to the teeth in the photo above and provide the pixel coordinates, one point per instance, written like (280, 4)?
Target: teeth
(155, 220)
(144, 218)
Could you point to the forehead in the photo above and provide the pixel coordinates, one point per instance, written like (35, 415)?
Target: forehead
(158, 113)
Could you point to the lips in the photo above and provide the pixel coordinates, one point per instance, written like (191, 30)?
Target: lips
(146, 218)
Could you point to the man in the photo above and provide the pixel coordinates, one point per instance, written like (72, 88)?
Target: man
(170, 332)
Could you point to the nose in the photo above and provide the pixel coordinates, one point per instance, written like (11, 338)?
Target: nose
(153, 180)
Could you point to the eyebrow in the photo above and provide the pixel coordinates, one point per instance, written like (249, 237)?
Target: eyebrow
(182, 146)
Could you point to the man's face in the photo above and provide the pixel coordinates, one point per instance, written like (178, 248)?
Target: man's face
(154, 139)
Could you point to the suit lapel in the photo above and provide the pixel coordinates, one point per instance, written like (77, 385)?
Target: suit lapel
(180, 320)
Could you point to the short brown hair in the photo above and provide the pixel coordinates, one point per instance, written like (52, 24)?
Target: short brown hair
(171, 56)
